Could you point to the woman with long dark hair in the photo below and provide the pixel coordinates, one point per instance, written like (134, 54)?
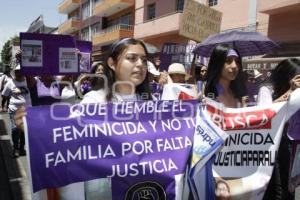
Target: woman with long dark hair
(285, 79)
(125, 74)
(224, 80)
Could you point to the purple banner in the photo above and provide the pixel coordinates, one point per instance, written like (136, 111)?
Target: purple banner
(179, 53)
(85, 48)
(136, 144)
(47, 54)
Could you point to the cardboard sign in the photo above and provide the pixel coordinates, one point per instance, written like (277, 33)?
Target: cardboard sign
(199, 21)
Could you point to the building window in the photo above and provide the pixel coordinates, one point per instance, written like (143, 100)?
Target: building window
(95, 29)
(179, 5)
(212, 2)
(126, 19)
(75, 16)
(151, 11)
(85, 34)
(112, 22)
(86, 10)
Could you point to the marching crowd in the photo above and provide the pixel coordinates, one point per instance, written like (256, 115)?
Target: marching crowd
(129, 75)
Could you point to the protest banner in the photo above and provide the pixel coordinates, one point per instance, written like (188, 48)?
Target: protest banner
(15, 48)
(207, 140)
(49, 54)
(85, 48)
(245, 163)
(156, 90)
(180, 53)
(175, 91)
(135, 148)
(198, 21)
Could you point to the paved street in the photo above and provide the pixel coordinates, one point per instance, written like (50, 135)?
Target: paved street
(14, 182)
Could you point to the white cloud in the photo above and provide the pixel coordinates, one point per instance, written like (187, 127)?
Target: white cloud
(8, 32)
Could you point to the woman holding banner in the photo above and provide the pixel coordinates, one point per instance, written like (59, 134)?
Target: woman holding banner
(126, 76)
(285, 79)
(225, 81)
(127, 80)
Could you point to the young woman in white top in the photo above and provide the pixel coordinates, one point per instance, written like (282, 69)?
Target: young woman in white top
(127, 80)
(224, 80)
(125, 72)
(285, 79)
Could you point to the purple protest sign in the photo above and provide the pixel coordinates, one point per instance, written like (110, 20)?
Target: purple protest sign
(135, 144)
(166, 56)
(47, 54)
(85, 48)
(179, 53)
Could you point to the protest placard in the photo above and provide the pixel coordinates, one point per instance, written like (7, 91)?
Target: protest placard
(199, 21)
(47, 54)
(85, 49)
(245, 163)
(132, 145)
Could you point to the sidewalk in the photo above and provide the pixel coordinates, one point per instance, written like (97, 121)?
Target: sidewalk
(14, 184)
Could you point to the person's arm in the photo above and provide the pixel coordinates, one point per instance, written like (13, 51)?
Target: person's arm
(294, 83)
(30, 81)
(192, 72)
(163, 78)
(284, 97)
(245, 101)
(18, 117)
(7, 90)
(3, 82)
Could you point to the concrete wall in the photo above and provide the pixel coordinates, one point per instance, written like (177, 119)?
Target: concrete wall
(172, 38)
(162, 8)
(159, 26)
(282, 21)
(285, 27)
(235, 13)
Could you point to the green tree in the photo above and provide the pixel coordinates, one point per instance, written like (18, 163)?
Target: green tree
(6, 53)
(15, 40)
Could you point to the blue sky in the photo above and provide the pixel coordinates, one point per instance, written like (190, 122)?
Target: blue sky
(17, 15)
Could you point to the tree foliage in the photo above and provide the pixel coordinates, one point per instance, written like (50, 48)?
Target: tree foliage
(6, 53)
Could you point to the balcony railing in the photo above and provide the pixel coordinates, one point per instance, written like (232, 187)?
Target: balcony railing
(116, 27)
(71, 25)
(113, 33)
(249, 28)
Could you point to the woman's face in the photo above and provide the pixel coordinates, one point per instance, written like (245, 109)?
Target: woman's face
(131, 65)
(230, 69)
(203, 71)
(100, 70)
(222, 191)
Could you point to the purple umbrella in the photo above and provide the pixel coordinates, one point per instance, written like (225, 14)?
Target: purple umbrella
(247, 43)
